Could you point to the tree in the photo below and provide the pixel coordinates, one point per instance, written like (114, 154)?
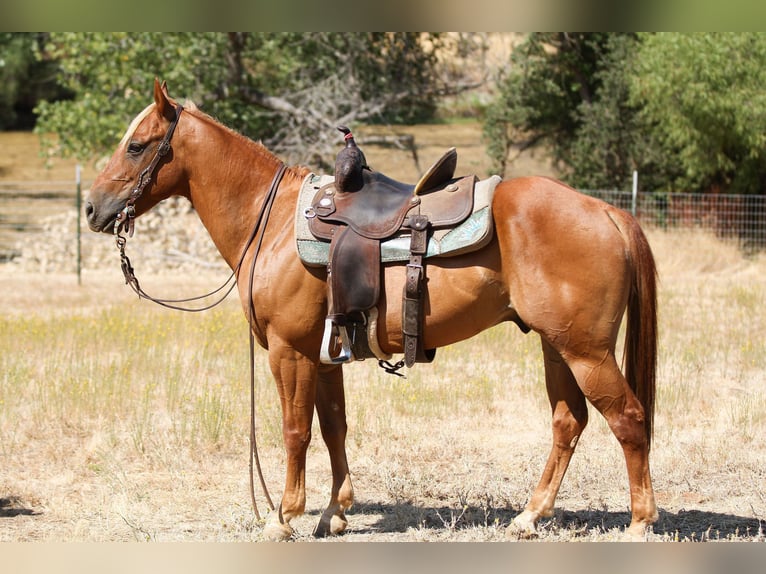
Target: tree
(23, 79)
(570, 91)
(688, 111)
(288, 89)
(703, 97)
(551, 76)
(611, 139)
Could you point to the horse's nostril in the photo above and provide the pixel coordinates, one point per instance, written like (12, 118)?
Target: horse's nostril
(89, 209)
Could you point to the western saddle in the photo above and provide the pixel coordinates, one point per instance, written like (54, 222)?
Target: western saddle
(355, 223)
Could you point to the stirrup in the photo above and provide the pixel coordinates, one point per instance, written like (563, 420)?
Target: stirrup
(331, 331)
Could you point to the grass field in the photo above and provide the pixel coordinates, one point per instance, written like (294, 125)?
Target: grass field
(120, 420)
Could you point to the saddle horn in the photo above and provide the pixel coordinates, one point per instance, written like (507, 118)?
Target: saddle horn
(349, 164)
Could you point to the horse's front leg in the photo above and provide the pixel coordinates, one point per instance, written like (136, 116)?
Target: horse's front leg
(331, 408)
(296, 378)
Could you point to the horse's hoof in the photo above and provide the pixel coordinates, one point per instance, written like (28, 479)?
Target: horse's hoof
(338, 523)
(275, 531)
(335, 524)
(635, 533)
(523, 527)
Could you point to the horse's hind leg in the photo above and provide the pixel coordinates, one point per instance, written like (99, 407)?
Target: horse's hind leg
(570, 415)
(606, 388)
(331, 408)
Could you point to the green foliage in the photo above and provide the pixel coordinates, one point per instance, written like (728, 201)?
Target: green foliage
(111, 75)
(264, 85)
(688, 111)
(611, 140)
(23, 79)
(13, 58)
(703, 95)
(401, 65)
(552, 74)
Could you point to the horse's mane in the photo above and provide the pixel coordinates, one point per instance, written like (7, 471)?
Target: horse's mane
(134, 125)
(298, 171)
(194, 110)
(190, 106)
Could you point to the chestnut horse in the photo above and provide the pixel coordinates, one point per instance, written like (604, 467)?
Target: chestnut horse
(562, 264)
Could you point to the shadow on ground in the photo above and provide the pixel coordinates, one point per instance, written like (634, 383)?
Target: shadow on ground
(689, 525)
(11, 506)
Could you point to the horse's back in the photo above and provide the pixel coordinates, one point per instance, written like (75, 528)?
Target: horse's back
(555, 217)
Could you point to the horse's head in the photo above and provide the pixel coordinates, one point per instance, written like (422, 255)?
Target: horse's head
(140, 173)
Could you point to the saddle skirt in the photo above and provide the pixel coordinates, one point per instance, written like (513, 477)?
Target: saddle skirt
(445, 240)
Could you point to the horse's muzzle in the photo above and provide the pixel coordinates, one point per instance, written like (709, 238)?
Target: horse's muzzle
(101, 216)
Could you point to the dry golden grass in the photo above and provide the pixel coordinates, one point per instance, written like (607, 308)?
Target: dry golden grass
(23, 161)
(120, 420)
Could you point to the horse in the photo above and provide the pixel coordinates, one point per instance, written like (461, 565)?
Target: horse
(560, 263)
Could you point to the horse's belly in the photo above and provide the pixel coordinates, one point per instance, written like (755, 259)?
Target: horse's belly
(459, 301)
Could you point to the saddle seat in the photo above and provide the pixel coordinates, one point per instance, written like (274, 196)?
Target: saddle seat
(382, 206)
(355, 223)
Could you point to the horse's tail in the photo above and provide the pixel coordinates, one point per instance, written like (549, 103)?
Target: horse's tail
(641, 330)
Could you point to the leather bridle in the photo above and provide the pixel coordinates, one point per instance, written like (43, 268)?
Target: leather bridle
(128, 214)
(125, 219)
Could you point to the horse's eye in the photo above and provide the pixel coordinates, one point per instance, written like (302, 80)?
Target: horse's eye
(135, 148)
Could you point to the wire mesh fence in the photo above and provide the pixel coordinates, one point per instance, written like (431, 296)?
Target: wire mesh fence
(740, 218)
(24, 208)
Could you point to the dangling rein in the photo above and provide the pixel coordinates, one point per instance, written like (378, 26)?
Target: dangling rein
(125, 219)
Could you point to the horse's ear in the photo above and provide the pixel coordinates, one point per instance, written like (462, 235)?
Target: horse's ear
(162, 100)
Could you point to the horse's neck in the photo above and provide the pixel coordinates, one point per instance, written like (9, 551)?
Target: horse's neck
(228, 187)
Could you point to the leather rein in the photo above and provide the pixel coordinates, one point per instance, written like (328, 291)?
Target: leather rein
(125, 220)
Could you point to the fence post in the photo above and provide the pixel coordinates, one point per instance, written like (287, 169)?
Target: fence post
(634, 200)
(78, 204)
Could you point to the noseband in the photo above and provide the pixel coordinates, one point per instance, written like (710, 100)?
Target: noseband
(128, 214)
